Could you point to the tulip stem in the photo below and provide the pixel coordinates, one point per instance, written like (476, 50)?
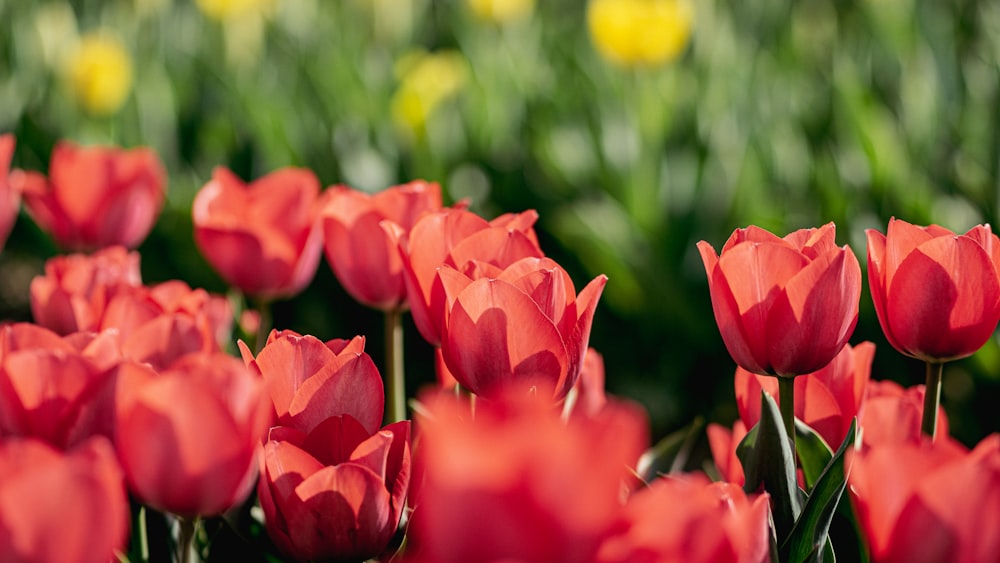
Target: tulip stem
(185, 539)
(786, 404)
(395, 382)
(932, 398)
(142, 533)
(264, 322)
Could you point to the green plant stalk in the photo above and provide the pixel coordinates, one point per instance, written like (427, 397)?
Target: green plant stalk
(786, 403)
(143, 534)
(395, 381)
(185, 539)
(263, 307)
(932, 398)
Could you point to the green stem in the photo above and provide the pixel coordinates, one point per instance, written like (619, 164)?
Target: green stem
(395, 382)
(932, 398)
(263, 307)
(786, 403)
(185, 540)
(143, 534)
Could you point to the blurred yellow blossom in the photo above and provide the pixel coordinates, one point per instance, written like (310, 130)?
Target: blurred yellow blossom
(632, 32)
(99, 70)
(502, 11)
(221, 10)
(426, 80)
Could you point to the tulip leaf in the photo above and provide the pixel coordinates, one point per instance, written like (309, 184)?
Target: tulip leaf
(811, 531)
(769, 465)
(814, 453)
(671, 454)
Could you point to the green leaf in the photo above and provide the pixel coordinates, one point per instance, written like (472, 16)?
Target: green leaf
(671, 454)
(810, 534)
(814, 453)
(768, 464)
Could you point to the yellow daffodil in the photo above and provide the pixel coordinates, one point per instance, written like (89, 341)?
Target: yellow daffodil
(640, 32)
(501, 11)
(99, 70)
(426, 80)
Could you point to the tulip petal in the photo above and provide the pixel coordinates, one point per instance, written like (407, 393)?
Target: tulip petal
(727, 313)
(287, 362)
(334, 440)
(346, 385)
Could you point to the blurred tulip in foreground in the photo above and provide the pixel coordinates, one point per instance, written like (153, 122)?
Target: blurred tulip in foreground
(336, 493)
(10, 194)
(188, 436)
(631, 32)
(75, 290)
(929, 502)
(937, 294)
(362, 254)
(521, 326)
(60, 507)
(262, 238)
(97, 197)
(516, 483)
(785, 306)
(687, 518)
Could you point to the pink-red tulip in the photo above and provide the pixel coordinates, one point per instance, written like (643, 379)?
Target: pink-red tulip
(97, 197)
(188, 436)
(784, 306)
(10, 192)
(927, 502)
(363, 255)
(892, 414)
(65, 507)
(687, 518)
(58, 389)
(309, 381)
(336, 493)
(523, 325)
(936, 294)
(262, 238)
(516, 483)
(590, 396)
(723, 442)
(827, 400)
(464, 241)
(75, 290)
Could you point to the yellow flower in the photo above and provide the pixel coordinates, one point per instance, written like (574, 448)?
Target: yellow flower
(100, 73)
(426, 80)
(221, 10)
(633, 32)
(502, 11)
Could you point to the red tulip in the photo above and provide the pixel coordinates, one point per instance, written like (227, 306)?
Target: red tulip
(58, 389)
(188, 436)
(516, 483)
(723, 442)
(522, 325)
(65, 507)
(827, 400)
(363, 255)
(462, 240)
(929, 502)
(687, 518)
(10, 192)
(97, 197)
(336, 493)
(262, 238)
(784, 306)
(75, 290)
(309, 381)
(590, 397)
(936, 294)
(891, 414)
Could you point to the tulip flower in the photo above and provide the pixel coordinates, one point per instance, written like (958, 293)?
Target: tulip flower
(722, 442)
(943, 503)
(67, 507)
(687, 518)
(57, 389)
(892, 414)
(336, 493)
(640, 32)
(97, 197)
(188, 436)
(827, 400)
(516, 483)
(262, 238)
(458, 239)
(936, 294)
(525, 326)
(309, 381)
(75, 290)
(589, 389)
(362, 254)
(10, 194)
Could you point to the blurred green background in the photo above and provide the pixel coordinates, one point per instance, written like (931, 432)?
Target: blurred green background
(699, 118)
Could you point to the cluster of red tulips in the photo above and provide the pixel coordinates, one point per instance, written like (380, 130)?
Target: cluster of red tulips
(124, 399)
